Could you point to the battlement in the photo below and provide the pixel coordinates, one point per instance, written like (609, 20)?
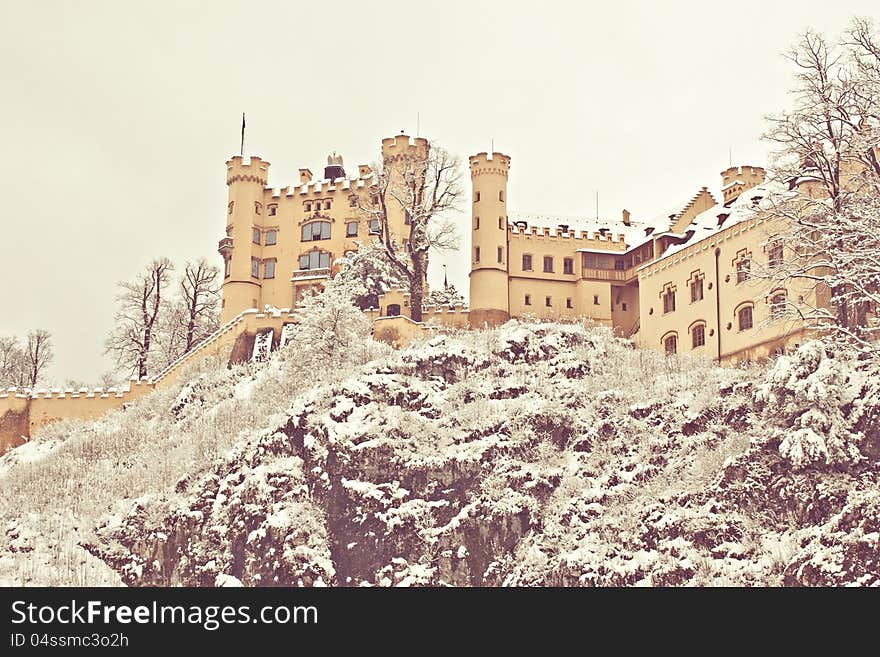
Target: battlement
(603, 241)
(491, 163)
(736, 180)
(402, 144)
(254, 170)
(70, 393)
(744, 173)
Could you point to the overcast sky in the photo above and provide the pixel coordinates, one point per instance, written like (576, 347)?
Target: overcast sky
(117, 118)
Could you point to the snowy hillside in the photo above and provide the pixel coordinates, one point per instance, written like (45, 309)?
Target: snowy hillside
(532, 454)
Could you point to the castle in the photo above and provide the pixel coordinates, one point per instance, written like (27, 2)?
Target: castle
(679, 282)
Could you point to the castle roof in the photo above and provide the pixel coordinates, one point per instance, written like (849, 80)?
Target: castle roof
(720, 217)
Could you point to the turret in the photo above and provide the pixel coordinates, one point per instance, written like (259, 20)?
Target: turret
(736, 180)
(244, 212)
(489, 254)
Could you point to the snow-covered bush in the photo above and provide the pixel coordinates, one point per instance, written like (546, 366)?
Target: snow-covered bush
(807, 398)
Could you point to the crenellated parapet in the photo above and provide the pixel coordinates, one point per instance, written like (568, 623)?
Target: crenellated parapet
(582, 239)
(254, 170)
(403, 146)
(483, 164)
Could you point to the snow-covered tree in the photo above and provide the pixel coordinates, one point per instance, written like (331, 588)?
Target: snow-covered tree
(330, 326)
(140, 303)
(827, 154)
(371, 267)
(423, 187)
(23, 363)
(447, 295)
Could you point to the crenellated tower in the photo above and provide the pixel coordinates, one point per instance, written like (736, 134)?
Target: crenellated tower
(244, 212)
(489, 302)
(736, 180)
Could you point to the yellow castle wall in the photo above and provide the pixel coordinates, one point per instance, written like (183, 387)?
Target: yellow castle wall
(757, 342)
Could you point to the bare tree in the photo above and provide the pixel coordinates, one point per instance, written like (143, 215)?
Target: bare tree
(38, 354)
(418, 189)
(139, 306)
(200, 296)
(827, 154)
(13, 370)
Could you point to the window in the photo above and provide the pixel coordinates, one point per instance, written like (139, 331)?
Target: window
(271, 237)
(229, 231)
(269, 269)
(548, 302)
(568, 303)
(393, 310)
(527, 263)
(352, 201)
(670, 344)
(326, 205)
(744, 317)
(476, 223)
(619, 265)
(476, 254)
(231, 205)
(374, 227)
(500, 223)
(743, 267)
(500, 254)
(351, 229)
(528, 300)
(256, 236)
(374, 199)
(227, 265)
(258, 207)
(623, 306)
(697, 290)
(316, 230)
(255, 268)
(476, 197)
(568, 265)
(273, 210)
(548, 264)
(698, 335)
(668, 301)
(777, 305)
(595, 299)
(314, 260)
(308, 207)
(774, 254)
(501, 195)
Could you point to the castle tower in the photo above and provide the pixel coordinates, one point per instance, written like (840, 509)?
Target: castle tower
(241, 283)
(736, 180)
(489, 301)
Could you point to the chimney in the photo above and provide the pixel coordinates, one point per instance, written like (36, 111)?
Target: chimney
(364, 171)
(626, 221)
(305, 176)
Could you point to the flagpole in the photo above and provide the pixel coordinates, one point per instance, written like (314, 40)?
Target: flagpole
(242, 134)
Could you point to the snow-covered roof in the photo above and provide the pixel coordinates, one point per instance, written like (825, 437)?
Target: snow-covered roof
(707, 223)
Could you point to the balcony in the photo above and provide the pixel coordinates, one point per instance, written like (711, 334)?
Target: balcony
(225, 245)
(614, 275)
(310, 274)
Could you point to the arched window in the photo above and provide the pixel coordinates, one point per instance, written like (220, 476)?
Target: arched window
(698, 335)
(314, 260)
(316, 230)
(745, 318)
(670, 343)
(777, 304)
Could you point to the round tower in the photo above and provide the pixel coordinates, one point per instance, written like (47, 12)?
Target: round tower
(489, 303)
(244, 212)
